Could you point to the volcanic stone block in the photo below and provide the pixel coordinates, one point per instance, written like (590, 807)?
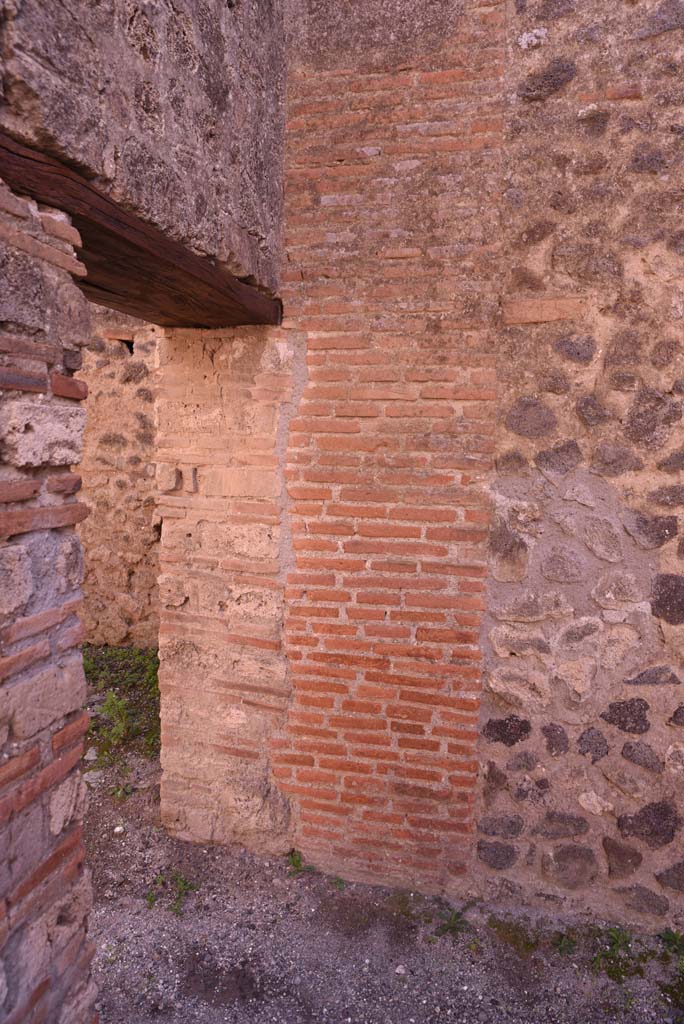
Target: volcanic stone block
(602, 538)
(628, 715)
(578, 348)
(524, 761)
(674, 462)
(644, 901)
(656, 824)
(508, 826)
(617, 590)
(530, 417)
(673, 877)
(647, 159)
(668, 497)
(562, 565)
(555, 382)
(570, 866)
(660, 675)
(611, 459)
(557, 825)
(651, 417)
(592, 411)
(643, 755)
(540, 85)
(678, 716)
(594, 743)
(560, 459)
(497, 855)
(650, 531)
(509, 731)
(667, 600)
(557, 741)
(667, 17)
(623, 860)
(510, 551)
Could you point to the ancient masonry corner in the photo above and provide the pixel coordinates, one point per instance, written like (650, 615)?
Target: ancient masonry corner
(420, 591)
(44, 884)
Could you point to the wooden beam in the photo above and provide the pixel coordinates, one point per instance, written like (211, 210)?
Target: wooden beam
(132, 266)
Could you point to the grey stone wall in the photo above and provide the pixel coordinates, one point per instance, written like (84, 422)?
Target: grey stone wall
(174, 108)
(583, 725)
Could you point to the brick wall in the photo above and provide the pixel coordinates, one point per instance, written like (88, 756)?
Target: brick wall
(351, 734)
(226, 398)
(392, 178)
(44, 889)
(120, 537)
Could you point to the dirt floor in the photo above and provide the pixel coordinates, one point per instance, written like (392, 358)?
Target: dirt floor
(206, 934)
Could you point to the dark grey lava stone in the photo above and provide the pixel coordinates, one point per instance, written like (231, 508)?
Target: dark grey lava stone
(628, 715)
(593, 742)
(509, 731)
(497, 855)
(656, 823)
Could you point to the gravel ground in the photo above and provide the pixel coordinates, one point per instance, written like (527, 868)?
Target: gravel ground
(256, 942)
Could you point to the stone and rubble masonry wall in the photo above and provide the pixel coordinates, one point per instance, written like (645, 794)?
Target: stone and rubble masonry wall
(44, 887)
(120, 537)
(175, 109)
(583, 726)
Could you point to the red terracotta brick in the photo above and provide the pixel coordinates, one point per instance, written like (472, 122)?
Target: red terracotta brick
(51, 517)
(68, 387)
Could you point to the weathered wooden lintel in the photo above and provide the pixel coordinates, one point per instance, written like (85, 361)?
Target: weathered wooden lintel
(132, 266)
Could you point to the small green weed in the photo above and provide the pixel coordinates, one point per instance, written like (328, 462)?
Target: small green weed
(454, 925)
(128, 718)
(616, 956)
(673, 941)
(296, 863)
(178, 888)
(515, 935)
(565, 943)
(673, 991)
(182, 889)
(339, 883)
(121, 792)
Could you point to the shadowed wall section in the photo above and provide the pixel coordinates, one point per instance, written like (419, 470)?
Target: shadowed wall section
(120, 537)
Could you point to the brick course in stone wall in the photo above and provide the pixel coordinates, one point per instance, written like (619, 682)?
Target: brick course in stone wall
(44, 887)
